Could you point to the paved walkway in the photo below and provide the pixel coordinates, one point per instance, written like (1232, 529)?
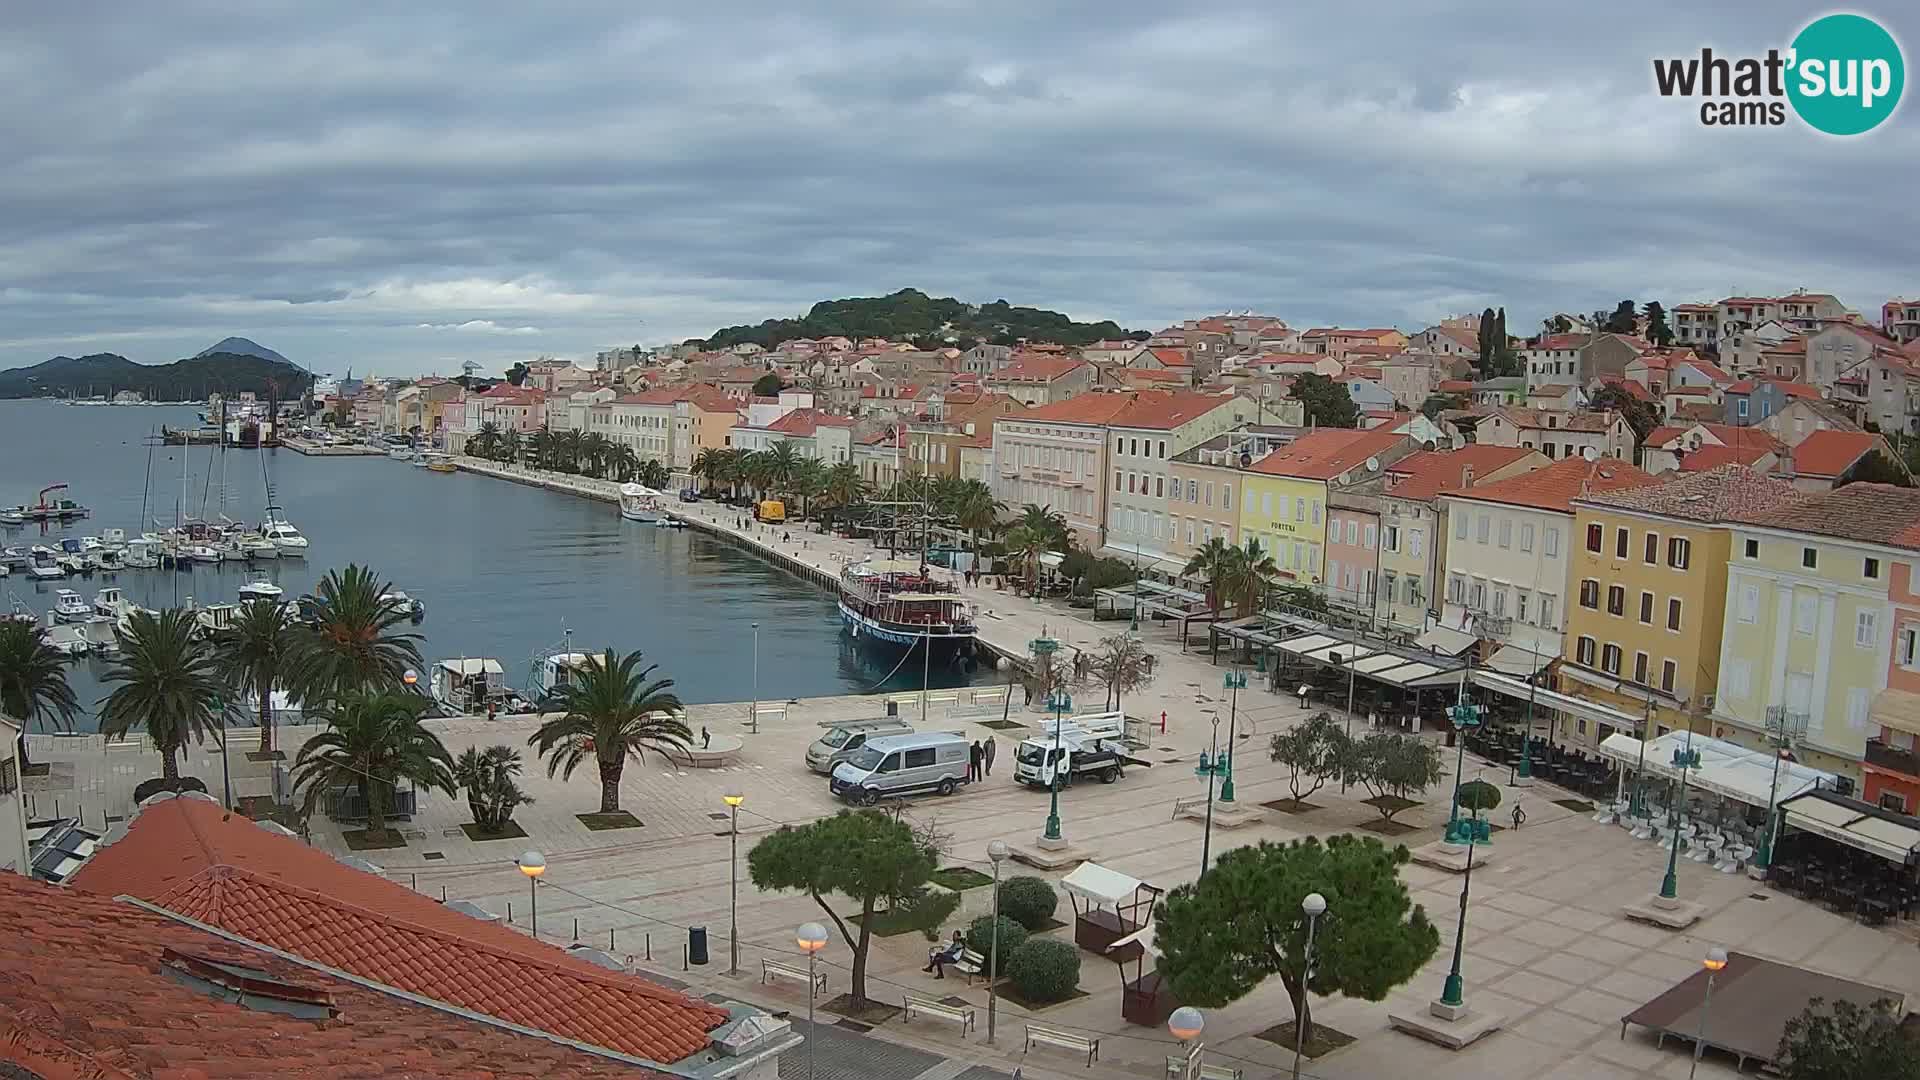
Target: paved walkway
(1545, 942)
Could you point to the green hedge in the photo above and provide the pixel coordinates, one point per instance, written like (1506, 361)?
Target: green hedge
(1029, 901)
(980, 938)
(1045, 970)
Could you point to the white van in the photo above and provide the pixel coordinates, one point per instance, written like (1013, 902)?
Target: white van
(840, 740)
(893, 765)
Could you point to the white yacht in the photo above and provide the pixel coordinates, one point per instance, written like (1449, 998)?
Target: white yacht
(639, 502)
(200, 553)
(413, 608)
(143, 553)
(465, 686)
(108, 559)
(109, 604)
(283, 535)
(260, 589)
(43, 563)
(258, 547)
(69, 607)
(215, 618)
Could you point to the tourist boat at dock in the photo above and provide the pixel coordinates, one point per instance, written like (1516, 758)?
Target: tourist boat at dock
(897, 607)
(69, 606)
(639, 502)
(282, 533)
(260, 589)
(465, 686)
(439, 462)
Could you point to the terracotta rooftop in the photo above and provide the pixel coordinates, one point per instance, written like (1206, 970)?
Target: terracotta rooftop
(1558, 342)
(1631, 387)
(85, 991)
(1556, 486)
(1032, 368)
(1869, 513)
(1327, 453)
(1162, 411)
(1728, 435)
(1081, 409)
(189, 856)
(1172, 357)
(1426, 474)
(804, 422)
(1724, 493)
(1545, 419)
(1713, 456)
(1830, 453)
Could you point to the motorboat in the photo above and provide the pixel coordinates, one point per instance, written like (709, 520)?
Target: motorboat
(413, 608)
(113, 538)
(466, 686)
(110, 604)
(13, 556)
(400, 453)
(260, 589)
(639, 502)
(230, 551)
(69, 641)
(21, 613)
(200, 553)
(668, 521)
(42, 563)
(436, 461)
(142, 554)
(258, 547)
(215, 618)
(73, 557)
(68, 606)
(283, 535)
(13, 515)
(108, 559)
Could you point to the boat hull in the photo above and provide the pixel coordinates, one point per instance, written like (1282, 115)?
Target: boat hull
(895, 640)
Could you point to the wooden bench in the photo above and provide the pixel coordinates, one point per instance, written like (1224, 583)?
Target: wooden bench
(915, 1005)
(773, 969)
(970, 964)
(1218, 1072)
(1187, 802)
(1064, 1040)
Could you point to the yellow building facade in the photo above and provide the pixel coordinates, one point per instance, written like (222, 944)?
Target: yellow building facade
(1288, 516)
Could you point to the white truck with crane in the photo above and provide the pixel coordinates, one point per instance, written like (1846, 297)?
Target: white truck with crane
(1092, 745)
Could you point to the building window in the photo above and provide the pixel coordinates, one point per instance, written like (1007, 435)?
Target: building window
(1477, 596)
(1640, 668)
(1610, 659)
(1266, 503)
(1866, 629)
(1390, 540)
(1159, 486)
(1226, 496)
(1590, 594)
(1506, 532)
(1483, 529)
(1583, 651)
(1459, 526)
(1646, 608)
(1871, 570)
(1749, 603)
(1806, 612)
(1596, 538)
(1116, 479)
(1652, 556)
(1620, 543)
(1132, 478)
(1909, 647)
(1673, 613)
(1809, 558)
(1667, 672)
(1616, 600)
(1456, 589)
(1679, 552)
(1547, 604)
(1416, 542)
(1753, 549)
(1370, 537)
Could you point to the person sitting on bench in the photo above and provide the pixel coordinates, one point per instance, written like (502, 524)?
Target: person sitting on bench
(938, 959)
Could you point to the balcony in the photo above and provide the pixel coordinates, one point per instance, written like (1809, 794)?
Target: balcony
(1893, 759)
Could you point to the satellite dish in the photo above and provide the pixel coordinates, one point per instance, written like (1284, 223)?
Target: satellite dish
(1589, 453)
(1373, 464)
(1246, 459)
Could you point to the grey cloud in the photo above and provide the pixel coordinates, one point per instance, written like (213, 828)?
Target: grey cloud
(329, 181)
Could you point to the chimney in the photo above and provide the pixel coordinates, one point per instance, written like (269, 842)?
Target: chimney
(1466, 476)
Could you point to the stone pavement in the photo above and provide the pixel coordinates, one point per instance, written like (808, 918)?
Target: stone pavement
(1545, 942)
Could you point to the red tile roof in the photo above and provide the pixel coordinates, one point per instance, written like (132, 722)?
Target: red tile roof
(804, 422)
(1870, 513)
(1725, 492)
(1081, 409)
(1454, 386)
(187, 855)
(1172, 357)
(1727, 434)
(1327, 453)
(1426, 474)
(1041, 369)
(1153, 375)
(1632, 387)
(1710, 456)
(1162, 411)
(84, 992)
(1556, 342)
(1556, 486)
(1831, 453)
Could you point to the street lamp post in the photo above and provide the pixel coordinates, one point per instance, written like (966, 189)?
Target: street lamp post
(753, 720)
(1453, 992)
(1234, 682)
(1211, 766)
(1060, 704)
(1784, 730)
(226, 776)
(997, 853)
(533, 864)
(733, 801)
(1336, 658)
(1683, 759)
(1314, 905)
(811, 937)
(1524, 770)
(1463, 830)
(1715, 960)
(1186, 1024)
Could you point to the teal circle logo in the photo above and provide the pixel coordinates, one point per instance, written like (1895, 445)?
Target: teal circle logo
(1846, 75)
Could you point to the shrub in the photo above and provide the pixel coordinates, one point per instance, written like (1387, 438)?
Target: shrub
(1045, 970)
(1478, 795)
(1028, 901)
(980, 938)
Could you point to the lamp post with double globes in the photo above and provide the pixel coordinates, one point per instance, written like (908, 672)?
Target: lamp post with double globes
(1314, 905)
(811, 937)
(533, 864)
(1186, 1024)
(1715, 960)
(733, 799)
(997, 852)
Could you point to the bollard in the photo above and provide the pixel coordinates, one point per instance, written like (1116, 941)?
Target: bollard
(509, 911)
(443, 894)
(413, 882)
(684, 964)
(576, 929)
(649, 946)
(610, 939)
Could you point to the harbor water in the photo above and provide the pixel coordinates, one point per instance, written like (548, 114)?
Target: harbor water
(505, 570)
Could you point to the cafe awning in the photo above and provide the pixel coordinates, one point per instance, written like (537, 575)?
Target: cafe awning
(1576, 707)
(1515, 660)
(1897, 709)
(1726, 769)
(1095, 883)
(1445, 639)
(1858, 825)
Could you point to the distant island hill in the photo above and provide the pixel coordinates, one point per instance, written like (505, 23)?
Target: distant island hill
(230, 366)
(929, 321)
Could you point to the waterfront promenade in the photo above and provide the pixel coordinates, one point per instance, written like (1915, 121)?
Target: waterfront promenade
(1545, 942)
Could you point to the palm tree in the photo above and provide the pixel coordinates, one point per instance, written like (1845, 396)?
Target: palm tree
(33, 681)
(616, 709)
(511, 446)
(1257, 574)
(808, 481)
(354, 644)
(975, 509)
(487, 778)
(623, 464)
(374, 740)
(168, 682)
(843, 486)
(254, 652)
(652, 473)
(1038, 530)
(781, 462)
(707, 465)
(539, 450)
(487, 443)
(1218, 563)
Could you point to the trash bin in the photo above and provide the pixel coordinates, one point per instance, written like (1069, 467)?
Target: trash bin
(696, 945)
(893, 709)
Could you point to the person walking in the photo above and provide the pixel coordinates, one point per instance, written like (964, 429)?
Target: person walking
(1519, 816)
(973, 762)
(992, 743)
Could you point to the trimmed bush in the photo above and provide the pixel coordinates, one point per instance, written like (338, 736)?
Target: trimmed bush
(980, 938)
(1478, 795)
(1045, 970)
(1029, 901)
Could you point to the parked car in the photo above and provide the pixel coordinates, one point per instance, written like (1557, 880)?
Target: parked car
(896, 765)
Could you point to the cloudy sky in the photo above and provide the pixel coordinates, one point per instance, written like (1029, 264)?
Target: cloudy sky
(400, 187)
